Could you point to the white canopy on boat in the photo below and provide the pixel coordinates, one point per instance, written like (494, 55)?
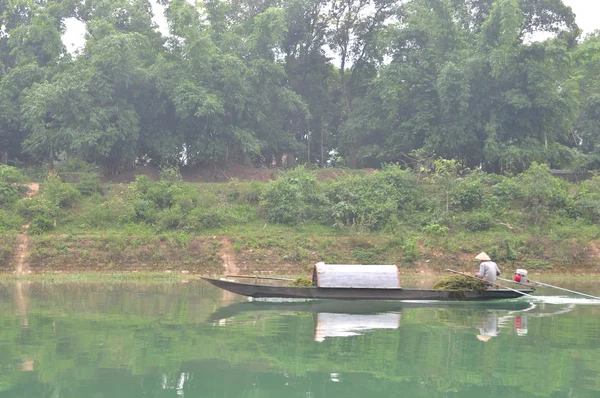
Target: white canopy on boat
(355, 275)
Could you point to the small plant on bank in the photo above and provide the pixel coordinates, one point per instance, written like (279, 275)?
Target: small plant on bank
(436, 230)
(537, 264)
(89, 184)
(476, 222)
(541, 193)
(11, 188)
(587, 200)
(467, 193)
(9, 221)
(373, 202)
(59, 193)
(411, 250)
(294, 197)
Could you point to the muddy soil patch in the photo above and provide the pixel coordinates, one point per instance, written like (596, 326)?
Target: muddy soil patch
(228, 257)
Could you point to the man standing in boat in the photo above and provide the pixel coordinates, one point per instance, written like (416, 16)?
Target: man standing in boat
(488, 270)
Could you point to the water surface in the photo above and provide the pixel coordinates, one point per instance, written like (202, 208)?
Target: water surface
(192, 340)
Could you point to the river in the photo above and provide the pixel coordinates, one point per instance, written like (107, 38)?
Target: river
(193, 340)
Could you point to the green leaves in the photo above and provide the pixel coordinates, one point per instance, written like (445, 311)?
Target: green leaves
(471, 90)
(252, 82)
(10, 185)
(292, 198)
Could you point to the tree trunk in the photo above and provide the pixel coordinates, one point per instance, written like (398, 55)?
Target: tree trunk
(322, 149)
(290, 160)
(4, 157)
(278, 160)
(308, 148)
(352, 162)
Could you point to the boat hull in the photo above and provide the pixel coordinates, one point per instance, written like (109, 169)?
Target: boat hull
(333, 293)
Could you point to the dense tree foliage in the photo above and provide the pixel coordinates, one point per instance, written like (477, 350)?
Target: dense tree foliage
(268, 82)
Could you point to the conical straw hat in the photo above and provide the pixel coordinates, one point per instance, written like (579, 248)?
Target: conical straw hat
(483, 257)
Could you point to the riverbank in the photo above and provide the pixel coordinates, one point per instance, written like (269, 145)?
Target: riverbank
(277, 250)
(422, 223)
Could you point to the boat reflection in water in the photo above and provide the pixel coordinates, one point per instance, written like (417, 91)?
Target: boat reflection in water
(345, 325)
(489, 328)
(335, 319)
(492, 323)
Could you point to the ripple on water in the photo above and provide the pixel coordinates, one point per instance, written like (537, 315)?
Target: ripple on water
(566, 300)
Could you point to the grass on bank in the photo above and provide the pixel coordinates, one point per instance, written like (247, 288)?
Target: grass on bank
(100, 277)
(389, 216)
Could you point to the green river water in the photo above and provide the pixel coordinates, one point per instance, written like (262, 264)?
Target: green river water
(193, 340)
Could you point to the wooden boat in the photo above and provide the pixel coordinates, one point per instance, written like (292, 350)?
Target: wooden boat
(359, 282)
(350, 293)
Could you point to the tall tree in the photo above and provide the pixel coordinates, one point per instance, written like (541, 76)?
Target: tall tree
(587, 129)
(90, 108)
(354, 26)
(472, 91)
(30, 50)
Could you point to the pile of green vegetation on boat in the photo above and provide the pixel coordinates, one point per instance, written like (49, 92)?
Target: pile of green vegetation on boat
(301, 282)
(460, 283)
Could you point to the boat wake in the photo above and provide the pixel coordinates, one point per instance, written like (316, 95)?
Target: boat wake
(566, 300)
(279, 300)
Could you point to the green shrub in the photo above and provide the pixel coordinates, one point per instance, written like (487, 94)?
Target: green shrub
(587, 200)
(436, 230)
(6, 249)
(244, 192)
(10, 221)
(170, 218)
(35, 206)
(142, 184)
(75, 170)
(170, 174)
(495, 205)
(182, 239)
(145, 210)
(40, 224)
(537, 264)
(372, 200)
(59, 193)
(164, 193)
(372, 255)
(114, 213)
(504, 251)
(542, 193)
(410, 249)
(200, 219)
(511, 253)
(188, 197)
(475, 222)
(89, 184)
(467, 193)
(293, 197)
(507, 189)
(10, 185)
